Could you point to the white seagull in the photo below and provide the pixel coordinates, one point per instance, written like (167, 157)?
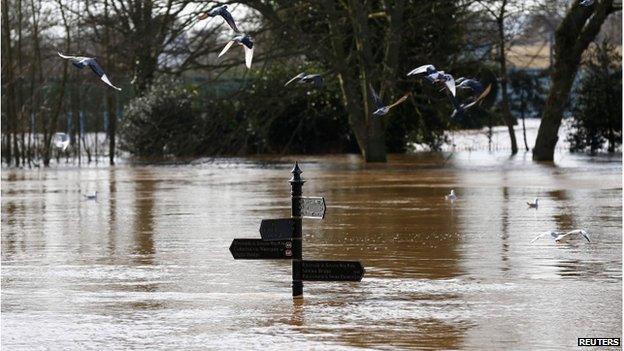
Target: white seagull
(82, 62)
(451, 196)
(303, 78)
(559, 237)
(61, 141)
(432, 75)
(246, 42)
(532, 204)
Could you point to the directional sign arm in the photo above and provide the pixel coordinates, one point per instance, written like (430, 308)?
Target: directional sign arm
(277, 229)
(312, 207)
(331, 270)
(258, 249)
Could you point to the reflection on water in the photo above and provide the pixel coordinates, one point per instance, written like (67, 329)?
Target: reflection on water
(147, 265)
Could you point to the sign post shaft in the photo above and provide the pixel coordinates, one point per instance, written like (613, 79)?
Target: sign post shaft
(296, 184)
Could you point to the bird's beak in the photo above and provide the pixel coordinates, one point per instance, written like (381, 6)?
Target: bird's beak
(202, 16)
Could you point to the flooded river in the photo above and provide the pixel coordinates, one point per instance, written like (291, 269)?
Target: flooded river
(147, 265)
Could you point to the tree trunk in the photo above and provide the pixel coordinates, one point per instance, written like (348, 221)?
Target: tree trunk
(611, 148)
(110, 103)
(509, 121)
(577, 30)
(9, 83)
(374, 146)
(522, 112)
(47, 138)
(20, 96)
(368, 132)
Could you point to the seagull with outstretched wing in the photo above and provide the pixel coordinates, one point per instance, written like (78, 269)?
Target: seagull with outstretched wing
(303, 78)
(223, 12)
(460, 109)
(82, 62)
(433, 76)
(424, 70)
(246, 42)
(380, 108)
(573, 235)
(560, 238)
(551, 233)
(448, 81)
(472, 85)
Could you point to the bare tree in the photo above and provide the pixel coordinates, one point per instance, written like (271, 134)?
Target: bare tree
(506, 15)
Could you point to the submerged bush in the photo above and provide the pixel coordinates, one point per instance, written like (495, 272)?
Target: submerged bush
(163, 122)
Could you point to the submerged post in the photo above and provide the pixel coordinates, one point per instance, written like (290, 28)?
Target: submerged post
(281, 238)
(296, 184)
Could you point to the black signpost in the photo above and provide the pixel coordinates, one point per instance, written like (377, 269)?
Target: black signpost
(281, 239)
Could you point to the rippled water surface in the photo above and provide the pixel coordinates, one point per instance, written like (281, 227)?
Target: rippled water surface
(147, 265)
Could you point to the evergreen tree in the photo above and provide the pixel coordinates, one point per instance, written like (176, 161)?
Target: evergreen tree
(597, 109)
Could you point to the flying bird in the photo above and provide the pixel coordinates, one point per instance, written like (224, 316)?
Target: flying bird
(586, 3)
(381, 108)
(433, 76)
(448, 81)
(424, 70)
(532, 204)
(451, 196)
(460, 108)
(246, 42)
(223, 12)
(61, 141)
(572, 235)
(560, 238)
(474, 86)
(82, 62)
(303, 78)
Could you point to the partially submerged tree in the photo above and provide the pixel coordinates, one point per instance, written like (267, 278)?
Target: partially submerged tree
(507, 17)
(363, 43)
(576, 31)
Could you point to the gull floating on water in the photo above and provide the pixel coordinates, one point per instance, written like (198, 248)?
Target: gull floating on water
(91, 197)
(61, 141)
(381, 108)
(246, 42)
(223, 12)
(303, 78)
(532, 204)
(451, 196)
(82, 62)
(559, 237)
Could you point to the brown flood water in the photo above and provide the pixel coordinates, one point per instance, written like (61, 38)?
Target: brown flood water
(147, 266)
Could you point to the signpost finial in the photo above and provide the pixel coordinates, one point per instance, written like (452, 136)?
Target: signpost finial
(296, 172)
